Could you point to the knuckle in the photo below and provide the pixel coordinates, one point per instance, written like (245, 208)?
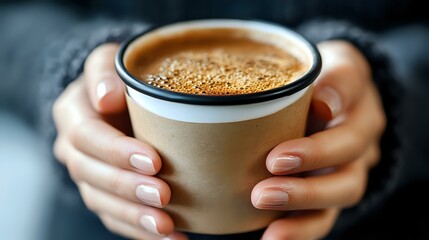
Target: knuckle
(381, 122)
(356, 193)
(374, 156)
(91, 59)
(99, 54)
(324, 231)
(354, 138)
(61, 105)
(356, 197)
(89, 201)
(124, 215)
(75, 170)
(58, 108)
(128, 215)
(380, 118)
(354, 57)
(116, 182)
(113, 150)
(345, 67)
(281, 232)
(318, 154)
(59, 150)
(308, 196)
(80, 132)
(76, 133)
(108, 223)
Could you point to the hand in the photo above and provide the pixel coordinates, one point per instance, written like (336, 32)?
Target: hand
(114, 172)
(333, 163)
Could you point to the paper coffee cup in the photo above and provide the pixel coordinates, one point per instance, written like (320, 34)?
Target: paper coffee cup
(213, 148)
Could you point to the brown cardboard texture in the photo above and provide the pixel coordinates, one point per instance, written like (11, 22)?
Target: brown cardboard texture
(212, 168)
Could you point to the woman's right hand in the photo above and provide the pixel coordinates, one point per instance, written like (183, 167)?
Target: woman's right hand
(114, 172)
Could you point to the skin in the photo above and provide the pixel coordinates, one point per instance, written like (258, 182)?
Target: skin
(93, 143)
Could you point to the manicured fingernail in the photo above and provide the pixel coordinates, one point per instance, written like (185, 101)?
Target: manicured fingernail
(149, 224)
(331, 98)
(104, 87)
(149, 195)
(284, 163)
(272, 198)
(143, 163)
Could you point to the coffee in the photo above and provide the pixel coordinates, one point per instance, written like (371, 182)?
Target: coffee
(215, 62)
(214, 141)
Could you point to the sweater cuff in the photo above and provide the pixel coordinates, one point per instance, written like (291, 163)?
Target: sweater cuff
(384, 177)
(64, 59)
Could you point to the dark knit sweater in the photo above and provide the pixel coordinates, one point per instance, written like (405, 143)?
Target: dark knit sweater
(47, 62)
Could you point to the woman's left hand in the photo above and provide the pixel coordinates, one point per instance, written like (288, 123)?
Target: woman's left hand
(326, 171)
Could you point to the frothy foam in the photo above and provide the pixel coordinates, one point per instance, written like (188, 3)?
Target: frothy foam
(219, 66)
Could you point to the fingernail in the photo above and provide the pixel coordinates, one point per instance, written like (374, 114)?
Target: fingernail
(103, 88)
(149, 224)
(149, 195)
(143, 163)
(284, 163)
(331, 98)
(271, 198)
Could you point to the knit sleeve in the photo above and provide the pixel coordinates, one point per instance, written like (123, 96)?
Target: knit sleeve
(384, 177)
(63, 62)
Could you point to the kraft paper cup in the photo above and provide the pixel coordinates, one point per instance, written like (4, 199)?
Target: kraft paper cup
(213, 148)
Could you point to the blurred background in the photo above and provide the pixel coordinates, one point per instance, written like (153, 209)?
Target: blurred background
(26, 180)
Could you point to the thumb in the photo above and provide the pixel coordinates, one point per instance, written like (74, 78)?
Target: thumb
(105, 88)
(342, 81)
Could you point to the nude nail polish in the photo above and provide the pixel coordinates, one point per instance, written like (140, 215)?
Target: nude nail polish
(272, 198)
(149, 224)
(143, 163)
(284, 163)
(149, 195)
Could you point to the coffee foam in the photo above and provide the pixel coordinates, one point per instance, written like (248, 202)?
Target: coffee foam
(215, 62)
(220, 72)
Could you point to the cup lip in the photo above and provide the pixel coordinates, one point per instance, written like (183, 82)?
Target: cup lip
(304, 81)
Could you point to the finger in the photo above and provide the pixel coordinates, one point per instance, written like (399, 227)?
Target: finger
(147, 218)
(309, 225)
(342, 187)
(341, 81)
(132, 232)
(103, 142)
(104, 86)
(139, 188)
(96, 138)
(331, 147)
(60, 149)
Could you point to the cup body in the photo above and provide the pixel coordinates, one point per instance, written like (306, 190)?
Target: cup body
(214, 148)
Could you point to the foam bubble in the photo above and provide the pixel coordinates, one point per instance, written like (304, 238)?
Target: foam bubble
(220, 72)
